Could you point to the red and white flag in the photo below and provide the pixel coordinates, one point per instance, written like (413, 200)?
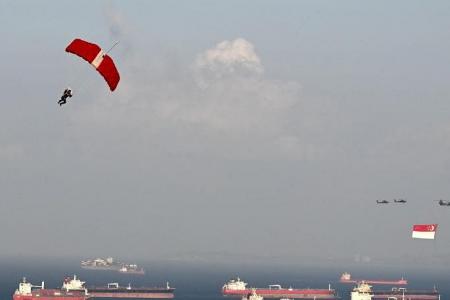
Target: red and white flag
(424, 231)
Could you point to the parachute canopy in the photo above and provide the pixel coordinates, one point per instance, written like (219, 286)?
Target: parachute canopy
(101, 61)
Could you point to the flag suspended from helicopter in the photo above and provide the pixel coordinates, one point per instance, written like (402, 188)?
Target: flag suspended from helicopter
(99, 59)
(424, 231)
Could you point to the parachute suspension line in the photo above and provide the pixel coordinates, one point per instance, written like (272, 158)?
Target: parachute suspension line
(84, 86)
(79, 83)
(109, 50)
(75, 81)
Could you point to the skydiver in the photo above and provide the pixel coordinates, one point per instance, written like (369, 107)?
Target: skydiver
(67, 93)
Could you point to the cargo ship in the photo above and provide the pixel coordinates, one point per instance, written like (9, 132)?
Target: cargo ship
(27, 291)
(238, 288)
(114, 290)
(347, 278)
(364, 292)
(109, 264)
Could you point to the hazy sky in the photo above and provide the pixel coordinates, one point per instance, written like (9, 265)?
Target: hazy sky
(240, 130)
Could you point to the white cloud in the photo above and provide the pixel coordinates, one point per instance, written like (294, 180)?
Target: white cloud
(234, 104)
(227, 59)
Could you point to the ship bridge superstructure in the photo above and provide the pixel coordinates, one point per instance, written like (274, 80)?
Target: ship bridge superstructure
(25, 288)
(235, 284)
(362, 292)
(74, 284)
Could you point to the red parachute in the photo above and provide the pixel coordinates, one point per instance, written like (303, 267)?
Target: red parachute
(100, 60)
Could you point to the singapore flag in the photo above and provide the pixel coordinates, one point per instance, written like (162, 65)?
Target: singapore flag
(424, 231)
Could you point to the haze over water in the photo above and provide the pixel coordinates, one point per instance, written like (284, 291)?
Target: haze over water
(205, 280)
(241, 135)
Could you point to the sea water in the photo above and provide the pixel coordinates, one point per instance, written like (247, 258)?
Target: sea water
(203, 281)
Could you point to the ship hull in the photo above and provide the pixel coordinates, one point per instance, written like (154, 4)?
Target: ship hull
(132, 295)
(124, 292)
(115, 268)
(284, 293)
(108, 268)
(49, 298)
(386, 282)
(408, 295)
(51, 295)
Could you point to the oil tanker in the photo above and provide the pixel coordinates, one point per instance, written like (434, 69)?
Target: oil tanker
(347, 278)
(238, 288)
(364, 292)
(27, 291)
(114, 290)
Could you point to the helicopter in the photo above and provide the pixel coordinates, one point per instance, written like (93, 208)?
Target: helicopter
(400, 201)
(443, 202)
(382, 202)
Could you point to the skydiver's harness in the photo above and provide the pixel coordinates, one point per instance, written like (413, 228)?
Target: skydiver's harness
(66, 93)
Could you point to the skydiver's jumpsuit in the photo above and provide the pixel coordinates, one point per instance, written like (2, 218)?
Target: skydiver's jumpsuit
(63, 100)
